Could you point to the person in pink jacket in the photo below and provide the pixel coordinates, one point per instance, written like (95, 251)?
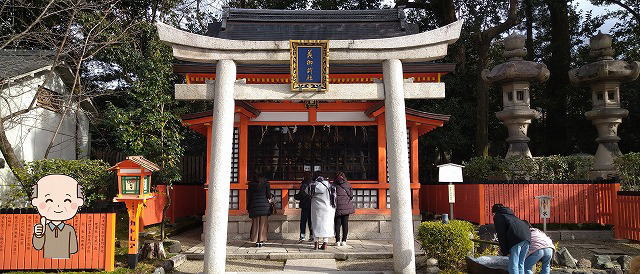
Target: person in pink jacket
(540, 250)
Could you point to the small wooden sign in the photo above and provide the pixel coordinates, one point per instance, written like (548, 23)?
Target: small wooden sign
(309, 65)
(452, 193)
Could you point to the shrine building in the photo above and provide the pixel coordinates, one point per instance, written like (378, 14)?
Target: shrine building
(357, 123)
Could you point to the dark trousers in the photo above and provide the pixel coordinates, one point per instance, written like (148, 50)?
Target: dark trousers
(305, 219)
(341, 221)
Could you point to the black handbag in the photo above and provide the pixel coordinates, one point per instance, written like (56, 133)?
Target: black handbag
(272, 204)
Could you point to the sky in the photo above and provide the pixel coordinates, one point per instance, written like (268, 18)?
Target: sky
(586, 5)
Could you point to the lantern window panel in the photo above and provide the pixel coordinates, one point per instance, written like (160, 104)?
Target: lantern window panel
(611, 95)
(131, 185)
(147, 184)
(520, 95)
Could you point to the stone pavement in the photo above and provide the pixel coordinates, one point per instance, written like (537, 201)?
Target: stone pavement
(311, 265)
(290, 249)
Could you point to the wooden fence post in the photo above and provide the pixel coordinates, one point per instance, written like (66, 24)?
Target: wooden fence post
(481, 205)
(615, 210)
(110, 243)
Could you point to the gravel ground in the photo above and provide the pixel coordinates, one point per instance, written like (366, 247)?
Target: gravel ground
(375, 264)
(365, 265)
(631, 249)
(193, 266)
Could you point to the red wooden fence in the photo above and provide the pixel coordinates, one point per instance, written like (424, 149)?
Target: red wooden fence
(96, 243)
(186, 200)
(572, 202)
(628, 226)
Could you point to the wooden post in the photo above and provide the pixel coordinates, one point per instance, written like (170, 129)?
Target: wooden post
(243, 171)
(415, 179)
(134, 208)
(110, 243)
(382, 162)
(481, 205)
(614, 210)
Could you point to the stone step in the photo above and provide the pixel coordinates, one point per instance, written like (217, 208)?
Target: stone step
(311, 265)
(299, 255)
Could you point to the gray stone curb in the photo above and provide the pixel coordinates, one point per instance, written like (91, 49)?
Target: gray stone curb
(298, 255)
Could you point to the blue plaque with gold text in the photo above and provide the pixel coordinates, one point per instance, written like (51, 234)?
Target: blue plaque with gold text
(309, 65)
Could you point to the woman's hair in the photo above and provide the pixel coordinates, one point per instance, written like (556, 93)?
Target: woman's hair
(528, 224)
(340, 177)
(496, 207)
(307, 176)
(259, 178)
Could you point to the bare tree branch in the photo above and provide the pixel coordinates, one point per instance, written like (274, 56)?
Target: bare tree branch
(635, 14)
(35, 22)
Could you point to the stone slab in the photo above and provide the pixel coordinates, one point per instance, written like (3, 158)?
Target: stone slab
(607, 251)
(310, 265)
(301, 255)
(361, 91)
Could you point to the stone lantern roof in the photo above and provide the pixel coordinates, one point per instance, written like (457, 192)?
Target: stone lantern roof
(605, 68)
(516, 68)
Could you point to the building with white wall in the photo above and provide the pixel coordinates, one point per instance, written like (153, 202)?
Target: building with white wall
(22, 74)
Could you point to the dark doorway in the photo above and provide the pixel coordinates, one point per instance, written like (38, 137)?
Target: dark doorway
(283, 152)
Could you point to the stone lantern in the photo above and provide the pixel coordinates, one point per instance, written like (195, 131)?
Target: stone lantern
(604, 77)
(514, 77)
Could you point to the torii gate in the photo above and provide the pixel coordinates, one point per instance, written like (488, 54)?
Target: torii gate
(390, 52)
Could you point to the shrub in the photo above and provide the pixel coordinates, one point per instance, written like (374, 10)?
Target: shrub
(628, 166)
(485, 167)
(93, 175)
(525, 168)
(448, 243)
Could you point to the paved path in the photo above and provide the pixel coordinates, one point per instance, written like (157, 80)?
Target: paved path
(290, 249)
(311, 265)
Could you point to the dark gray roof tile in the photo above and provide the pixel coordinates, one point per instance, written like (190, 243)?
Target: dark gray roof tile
(17, 62)
(266, 25)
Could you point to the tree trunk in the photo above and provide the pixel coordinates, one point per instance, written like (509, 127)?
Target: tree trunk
(446, 11)
(556, 90)
(528, 11)
(10, 156)
(482, 105)
(167, 194)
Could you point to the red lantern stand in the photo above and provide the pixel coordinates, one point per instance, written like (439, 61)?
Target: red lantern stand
(134, 189)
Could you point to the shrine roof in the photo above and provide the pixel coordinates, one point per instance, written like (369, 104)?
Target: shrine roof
(266, 25)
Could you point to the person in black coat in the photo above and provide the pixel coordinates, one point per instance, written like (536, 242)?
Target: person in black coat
(513, 235)
(305, 206)
(344, 207)
(258, 197)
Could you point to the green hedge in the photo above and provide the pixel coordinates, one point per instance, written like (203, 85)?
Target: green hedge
(628, 166)
(448, 243)
(525, 168)
(98, 182)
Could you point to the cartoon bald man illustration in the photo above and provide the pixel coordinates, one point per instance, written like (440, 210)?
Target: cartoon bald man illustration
(57, 198)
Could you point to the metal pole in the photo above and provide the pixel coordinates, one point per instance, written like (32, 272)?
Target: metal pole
(544, 224)
(451, 210)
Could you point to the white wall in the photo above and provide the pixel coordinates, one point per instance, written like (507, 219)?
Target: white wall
(31, 133)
